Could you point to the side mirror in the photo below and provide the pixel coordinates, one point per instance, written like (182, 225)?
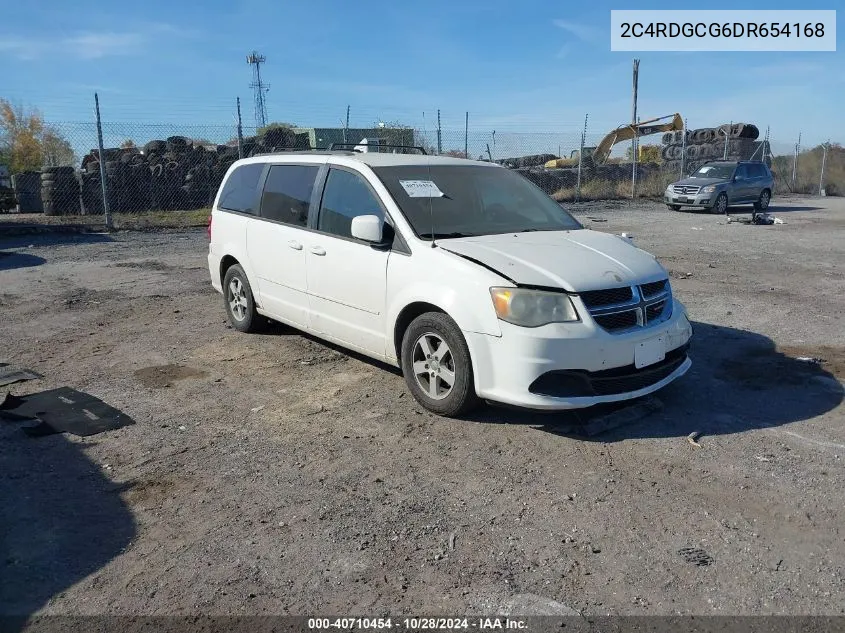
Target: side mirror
(367, 228)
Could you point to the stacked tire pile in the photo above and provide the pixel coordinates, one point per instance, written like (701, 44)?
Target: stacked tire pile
(60, 191)
(27, 187)
(710, 143)
(553, 180)
(535, 160)
(170, 174)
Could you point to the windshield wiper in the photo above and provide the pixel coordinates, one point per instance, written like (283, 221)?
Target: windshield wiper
(446, 235)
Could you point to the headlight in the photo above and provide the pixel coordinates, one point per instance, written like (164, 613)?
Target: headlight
(532, 308)
(708, 189)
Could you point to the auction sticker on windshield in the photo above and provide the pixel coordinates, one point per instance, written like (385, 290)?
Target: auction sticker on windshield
(421, 189)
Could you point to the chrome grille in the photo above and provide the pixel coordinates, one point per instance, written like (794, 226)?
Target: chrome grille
(686, 190)
(619, 310)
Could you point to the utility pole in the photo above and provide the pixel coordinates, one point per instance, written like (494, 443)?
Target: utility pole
(795, 161)
(439, 144)
(255, 60)
(580, 158)
(346, 128)
(103, 178)
(824, 159)
(240, 131)
(466, 137)
(636, 132)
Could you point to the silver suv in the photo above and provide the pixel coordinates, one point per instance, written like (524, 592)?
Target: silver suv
(716, 185)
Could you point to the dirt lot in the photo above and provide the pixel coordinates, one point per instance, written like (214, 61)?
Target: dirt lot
(275, 474)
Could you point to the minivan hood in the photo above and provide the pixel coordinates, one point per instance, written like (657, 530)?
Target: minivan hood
(575, 260)
(701, 182)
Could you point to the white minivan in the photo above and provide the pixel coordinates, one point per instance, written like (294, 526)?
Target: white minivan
(462, 273)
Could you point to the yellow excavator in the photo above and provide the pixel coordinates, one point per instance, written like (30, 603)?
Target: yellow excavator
(598, 155)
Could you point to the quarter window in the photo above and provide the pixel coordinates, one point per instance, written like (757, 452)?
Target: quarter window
(346, 196)
(240, 192)
(287, 193)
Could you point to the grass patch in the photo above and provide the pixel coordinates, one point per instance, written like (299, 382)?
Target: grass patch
(651, 186)
(140, 221)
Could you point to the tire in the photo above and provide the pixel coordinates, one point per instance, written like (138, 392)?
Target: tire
(429, 332)
(246, 319)
(721, 204)
(674, 207)
(763, 201)
(155, 146)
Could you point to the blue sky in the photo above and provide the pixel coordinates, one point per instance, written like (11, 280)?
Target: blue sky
(530, 66)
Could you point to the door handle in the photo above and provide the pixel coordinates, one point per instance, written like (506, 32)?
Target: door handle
(295, 245)
(318, 250)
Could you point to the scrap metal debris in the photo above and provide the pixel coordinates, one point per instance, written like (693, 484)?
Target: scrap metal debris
(10, 374)
(696, 556)
(692, 437)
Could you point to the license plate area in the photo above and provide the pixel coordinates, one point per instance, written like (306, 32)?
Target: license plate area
(649, 352)
(683, 199)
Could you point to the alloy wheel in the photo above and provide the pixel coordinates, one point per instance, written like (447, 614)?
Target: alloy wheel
(434, 366)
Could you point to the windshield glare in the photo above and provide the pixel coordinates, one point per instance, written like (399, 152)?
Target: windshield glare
(714, 171)
(476, 200)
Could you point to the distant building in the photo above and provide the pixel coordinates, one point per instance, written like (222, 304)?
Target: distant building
(323, 137)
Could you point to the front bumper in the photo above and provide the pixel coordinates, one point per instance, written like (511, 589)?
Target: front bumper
(703, 201)
(571, 366)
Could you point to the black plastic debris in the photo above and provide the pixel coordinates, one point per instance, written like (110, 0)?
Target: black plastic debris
(63, 410)
(10, 374)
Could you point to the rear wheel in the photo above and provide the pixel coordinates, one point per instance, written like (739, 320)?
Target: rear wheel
(436, 365)
(240, 304)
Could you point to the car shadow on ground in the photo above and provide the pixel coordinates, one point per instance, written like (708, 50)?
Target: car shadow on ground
(11, 261)
(61, 520)
(738, 381)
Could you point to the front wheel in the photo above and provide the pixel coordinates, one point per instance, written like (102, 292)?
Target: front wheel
(721, 204)
(674, 207)
(437, 366)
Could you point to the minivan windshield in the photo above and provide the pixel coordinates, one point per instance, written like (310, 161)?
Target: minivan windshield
(714, 171)
(469, 200)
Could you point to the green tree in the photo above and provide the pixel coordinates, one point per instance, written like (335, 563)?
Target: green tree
(55, 149)
(273, 125)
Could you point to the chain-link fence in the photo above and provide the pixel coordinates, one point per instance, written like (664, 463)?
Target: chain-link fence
(130, 174)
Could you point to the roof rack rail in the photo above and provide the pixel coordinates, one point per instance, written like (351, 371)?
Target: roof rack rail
(380, 145)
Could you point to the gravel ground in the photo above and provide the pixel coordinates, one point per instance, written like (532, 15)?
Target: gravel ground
(276, 474)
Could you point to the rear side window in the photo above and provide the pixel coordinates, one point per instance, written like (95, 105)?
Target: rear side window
(346, 196)
(240, 192)
(758, 170)
(287, 193)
